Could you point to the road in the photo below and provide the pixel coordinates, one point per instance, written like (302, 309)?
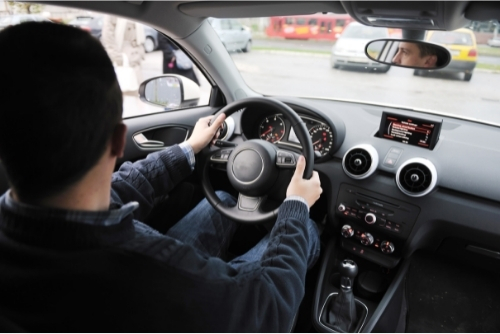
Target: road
(310, 74)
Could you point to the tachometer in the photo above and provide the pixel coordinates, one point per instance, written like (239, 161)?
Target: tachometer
(272, 129)
(322, 138)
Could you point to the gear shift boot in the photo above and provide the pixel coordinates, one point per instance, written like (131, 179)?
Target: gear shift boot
(329, 320)
(341, 311)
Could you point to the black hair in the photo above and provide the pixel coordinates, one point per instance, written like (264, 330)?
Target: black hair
(426, 49)
(60, 102)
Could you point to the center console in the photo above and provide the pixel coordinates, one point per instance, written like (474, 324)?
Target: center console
(372, 231)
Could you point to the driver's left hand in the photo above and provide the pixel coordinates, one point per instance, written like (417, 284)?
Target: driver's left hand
(203, 133)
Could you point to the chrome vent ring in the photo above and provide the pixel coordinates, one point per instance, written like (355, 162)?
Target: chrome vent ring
(416, 177)
(360, 161)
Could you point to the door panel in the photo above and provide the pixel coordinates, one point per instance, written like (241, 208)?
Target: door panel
(168, 127)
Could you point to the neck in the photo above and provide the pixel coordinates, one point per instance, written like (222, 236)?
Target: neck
(91, 193)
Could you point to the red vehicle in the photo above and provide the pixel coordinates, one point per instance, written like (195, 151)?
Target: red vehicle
(317, 26)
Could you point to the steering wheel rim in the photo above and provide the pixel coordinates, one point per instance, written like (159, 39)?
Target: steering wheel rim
(248, 208)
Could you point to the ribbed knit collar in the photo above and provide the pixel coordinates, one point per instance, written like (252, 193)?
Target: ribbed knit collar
(65, 229)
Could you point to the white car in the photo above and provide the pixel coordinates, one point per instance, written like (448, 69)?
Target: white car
(495, 41)
(233, 34)
(349, 50)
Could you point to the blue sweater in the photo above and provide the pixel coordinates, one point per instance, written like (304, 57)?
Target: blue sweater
(59, 273)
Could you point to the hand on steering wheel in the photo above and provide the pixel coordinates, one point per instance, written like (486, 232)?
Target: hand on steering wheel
(254, 166)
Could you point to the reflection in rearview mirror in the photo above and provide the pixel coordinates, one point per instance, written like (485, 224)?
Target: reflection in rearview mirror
(408, 53)
(164, 91)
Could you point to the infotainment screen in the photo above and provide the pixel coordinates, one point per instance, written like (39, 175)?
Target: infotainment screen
(412, 131)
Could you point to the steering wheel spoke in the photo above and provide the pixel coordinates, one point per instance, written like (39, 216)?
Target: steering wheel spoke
(249, 203)
(221, 156)
(286, 159)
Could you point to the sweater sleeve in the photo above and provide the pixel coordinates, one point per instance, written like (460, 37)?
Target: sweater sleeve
(144, 180)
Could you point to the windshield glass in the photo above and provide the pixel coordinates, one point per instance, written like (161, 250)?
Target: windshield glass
(451, 37)
(288, 58)
(363, 32)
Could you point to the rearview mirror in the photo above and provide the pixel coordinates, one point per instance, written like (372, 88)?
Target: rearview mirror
(408, 53)
(170, 91)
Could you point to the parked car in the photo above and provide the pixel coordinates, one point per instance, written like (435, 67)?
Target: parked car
(495, 41)
(349, 50)
(463, 49)
(94, 26)
(89, 23)
(11, 20)
(409, 169)
(233, 34)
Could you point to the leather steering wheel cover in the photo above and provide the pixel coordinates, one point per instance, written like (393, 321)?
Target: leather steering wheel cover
(257, 217)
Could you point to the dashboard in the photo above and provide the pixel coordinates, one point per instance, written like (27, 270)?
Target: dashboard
(395, 180)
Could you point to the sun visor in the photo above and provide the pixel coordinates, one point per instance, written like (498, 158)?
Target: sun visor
(417, 15)
(238, 9)
(483, 10)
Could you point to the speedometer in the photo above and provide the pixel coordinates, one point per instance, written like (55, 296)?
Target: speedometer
(322, 138)
(272, 129)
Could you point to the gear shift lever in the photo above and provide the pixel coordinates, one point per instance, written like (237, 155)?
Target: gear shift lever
(348, 270)
(342, 313)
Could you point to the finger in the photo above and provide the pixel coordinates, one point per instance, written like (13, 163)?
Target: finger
(301, 165)
(218, 121)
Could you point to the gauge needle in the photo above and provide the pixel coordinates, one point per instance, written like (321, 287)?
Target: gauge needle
(317, 142)
(266, 132)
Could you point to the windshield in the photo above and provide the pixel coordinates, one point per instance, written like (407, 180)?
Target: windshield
(451, 37)
(291, 59)
(363, 32)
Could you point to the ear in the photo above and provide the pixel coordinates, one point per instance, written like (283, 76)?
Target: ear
(118, 140)
(431, 61)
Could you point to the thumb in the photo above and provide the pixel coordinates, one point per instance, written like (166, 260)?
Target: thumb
(299, 170)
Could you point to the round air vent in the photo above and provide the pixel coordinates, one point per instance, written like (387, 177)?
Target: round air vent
(416, 177)
(360, 161)
(227, 128)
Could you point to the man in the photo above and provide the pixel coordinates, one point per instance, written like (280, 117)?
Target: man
(74, 254)
(415, 55)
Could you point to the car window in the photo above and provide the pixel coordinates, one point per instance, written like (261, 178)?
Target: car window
(235, 25)
(145, 65)
(225, 25)
(451, 37)
(297, 61)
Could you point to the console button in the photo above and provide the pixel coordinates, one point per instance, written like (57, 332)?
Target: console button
(341, 207)
(347, 231)
(370, 218)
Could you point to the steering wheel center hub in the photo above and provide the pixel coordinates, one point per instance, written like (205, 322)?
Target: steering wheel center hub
(252, 167)
(248, 166)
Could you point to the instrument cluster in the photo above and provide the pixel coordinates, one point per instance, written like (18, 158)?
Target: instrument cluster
(275, 128)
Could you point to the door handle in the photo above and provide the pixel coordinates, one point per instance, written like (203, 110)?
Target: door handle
(143, 142)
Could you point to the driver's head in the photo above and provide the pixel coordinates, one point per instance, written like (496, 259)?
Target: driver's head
(60, 105)
(415, 55)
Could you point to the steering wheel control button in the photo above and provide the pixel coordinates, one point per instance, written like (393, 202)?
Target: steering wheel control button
(387, 247)
(347, 231)
(221, 156)
(366, 239)
(247, 166)
(285, 159)
(370, 218)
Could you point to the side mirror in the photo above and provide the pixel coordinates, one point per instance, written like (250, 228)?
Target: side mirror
(408, 53)
(170, 91)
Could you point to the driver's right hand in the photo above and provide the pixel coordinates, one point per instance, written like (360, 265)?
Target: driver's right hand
(310, 190)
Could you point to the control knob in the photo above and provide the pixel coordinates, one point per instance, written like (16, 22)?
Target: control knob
(387, 247)
(370, 218)
(341, 207)
(366, 239)
(347, 231)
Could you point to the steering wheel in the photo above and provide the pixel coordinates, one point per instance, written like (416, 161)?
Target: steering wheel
(253, 166)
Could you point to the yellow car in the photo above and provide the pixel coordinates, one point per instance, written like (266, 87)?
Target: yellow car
(463, 49)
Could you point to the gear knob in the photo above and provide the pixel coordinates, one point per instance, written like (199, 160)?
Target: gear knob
(348, 270)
